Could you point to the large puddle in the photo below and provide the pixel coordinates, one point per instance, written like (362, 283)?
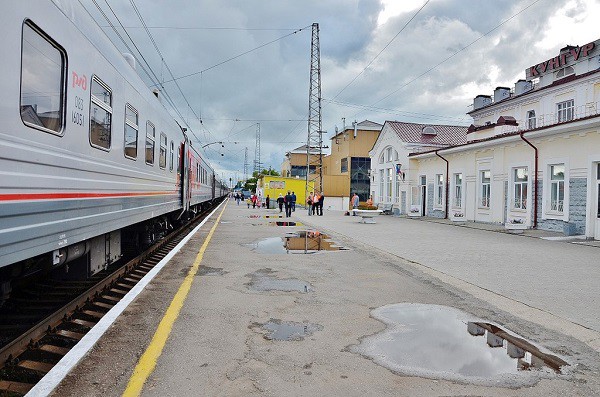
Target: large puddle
(288, 330)
(439, 342)
(265, 280)
(284, 223)
(303, 242)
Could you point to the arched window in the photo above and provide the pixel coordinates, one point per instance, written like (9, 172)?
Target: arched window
(531, 120)
(382, 158)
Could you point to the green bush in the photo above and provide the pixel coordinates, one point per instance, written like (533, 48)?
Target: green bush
(367, 207)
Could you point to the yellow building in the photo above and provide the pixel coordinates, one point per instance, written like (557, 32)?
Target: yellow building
(346, 168)
(273, 186)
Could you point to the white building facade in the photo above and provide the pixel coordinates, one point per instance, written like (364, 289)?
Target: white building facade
(531, 157)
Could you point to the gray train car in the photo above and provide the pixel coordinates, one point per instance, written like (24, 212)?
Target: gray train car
(86, 148)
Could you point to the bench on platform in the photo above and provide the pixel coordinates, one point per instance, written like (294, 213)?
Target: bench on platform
(385, 208)
(367, 215)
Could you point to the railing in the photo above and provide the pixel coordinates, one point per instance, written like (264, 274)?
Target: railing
(550, 119)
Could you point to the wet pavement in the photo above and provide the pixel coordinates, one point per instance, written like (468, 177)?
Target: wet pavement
(302, 242)
(248, 327)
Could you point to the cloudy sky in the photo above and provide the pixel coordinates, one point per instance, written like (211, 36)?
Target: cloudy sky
(408, 60)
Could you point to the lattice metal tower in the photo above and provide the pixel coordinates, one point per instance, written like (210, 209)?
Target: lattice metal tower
(257, 163)
(246, 164)
(314, 143)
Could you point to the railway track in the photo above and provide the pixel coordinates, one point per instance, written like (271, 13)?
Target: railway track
(75, 308)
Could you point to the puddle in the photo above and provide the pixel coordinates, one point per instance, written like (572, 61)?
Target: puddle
(265, 280)
(288, 331)
(438, 342)
(254, 216)
(283, 223)
(225, 222)
(303, 242)
(273, 216)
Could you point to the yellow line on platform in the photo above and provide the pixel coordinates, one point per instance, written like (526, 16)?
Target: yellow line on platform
(147, 362)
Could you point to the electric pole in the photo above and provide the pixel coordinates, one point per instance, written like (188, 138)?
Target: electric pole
(257, 163)
(314, 143)
(246, 165)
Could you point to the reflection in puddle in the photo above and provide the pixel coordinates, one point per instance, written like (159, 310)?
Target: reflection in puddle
(264, 280)
(304, 242)
(283, 223)
(289, 331)
(436, 342)
(273, 216)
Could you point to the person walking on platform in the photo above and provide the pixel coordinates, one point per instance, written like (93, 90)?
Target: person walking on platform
(288, 204)
(320, 204)
(267, 201)
(354, 201)
(309, 202)
(293, 202)
(280, 202)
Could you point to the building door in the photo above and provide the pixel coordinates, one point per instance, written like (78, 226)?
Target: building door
(423, 195)
(596, 214)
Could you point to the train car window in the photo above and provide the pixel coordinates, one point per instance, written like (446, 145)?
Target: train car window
(131, 132)
(100, 114)
(179, 158)
(150, 135)
(197, 172)
(43, 71)
(171, 156)
(162, 156)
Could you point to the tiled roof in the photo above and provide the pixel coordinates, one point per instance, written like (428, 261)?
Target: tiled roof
(413, 133)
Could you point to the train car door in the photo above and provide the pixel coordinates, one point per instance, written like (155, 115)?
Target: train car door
(214, 185)
(185, 176)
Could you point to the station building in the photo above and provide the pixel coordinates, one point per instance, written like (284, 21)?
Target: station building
(531, 158)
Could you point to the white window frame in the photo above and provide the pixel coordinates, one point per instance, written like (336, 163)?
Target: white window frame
(150, 139)
(162, 152)
(565, 111)
(397, 190)
(171, 156)
(135, 126)
(547, 212)
(381, 184)
(107, 107)
(520, 189)
(457, 188)
(389, 184)
(439, 191)
(389, 153)
(485, 190)
(531, 120)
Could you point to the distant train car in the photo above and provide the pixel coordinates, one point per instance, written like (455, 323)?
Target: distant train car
(86, 149)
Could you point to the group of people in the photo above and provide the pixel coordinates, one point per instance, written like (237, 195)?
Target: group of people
(289, 201)
(238, 196)
(314, 202)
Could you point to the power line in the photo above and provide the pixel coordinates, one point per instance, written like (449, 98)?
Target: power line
(382, 50)
(237, 56)
(206, 28)
(454, 54)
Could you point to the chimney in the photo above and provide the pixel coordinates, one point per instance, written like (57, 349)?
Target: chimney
(481, 101)
(522, 86)
(355, 128)
(501, 93)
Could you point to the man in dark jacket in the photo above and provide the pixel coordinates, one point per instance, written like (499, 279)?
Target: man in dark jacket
(280, 201)
(320, 204)
(288, 204)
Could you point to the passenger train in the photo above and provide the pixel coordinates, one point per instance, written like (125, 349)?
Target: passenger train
(90, 159)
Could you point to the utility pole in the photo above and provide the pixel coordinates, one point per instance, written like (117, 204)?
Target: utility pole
(257, 163)
(314, 143)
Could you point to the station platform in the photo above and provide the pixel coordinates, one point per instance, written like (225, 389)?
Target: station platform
(243, 289)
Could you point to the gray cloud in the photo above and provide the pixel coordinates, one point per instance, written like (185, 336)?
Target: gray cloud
(272, 83)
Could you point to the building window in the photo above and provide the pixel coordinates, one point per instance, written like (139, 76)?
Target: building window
(344, 165)
(565, 110)
(439, 189)
(458, 190)
(531, 120)
(150, 135)
(398, 180)
(100, 114)
(131, 132)
(396, 157)
(520, 188)
(42, 81)
(171, 156)
(557, 187)
(389, 154)
(359, 176)
(382, 158)
(162, 156)
(484, 199)
(390, 181)
(381, 181)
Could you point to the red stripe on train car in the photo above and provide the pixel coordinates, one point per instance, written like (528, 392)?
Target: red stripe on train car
(59, 196)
